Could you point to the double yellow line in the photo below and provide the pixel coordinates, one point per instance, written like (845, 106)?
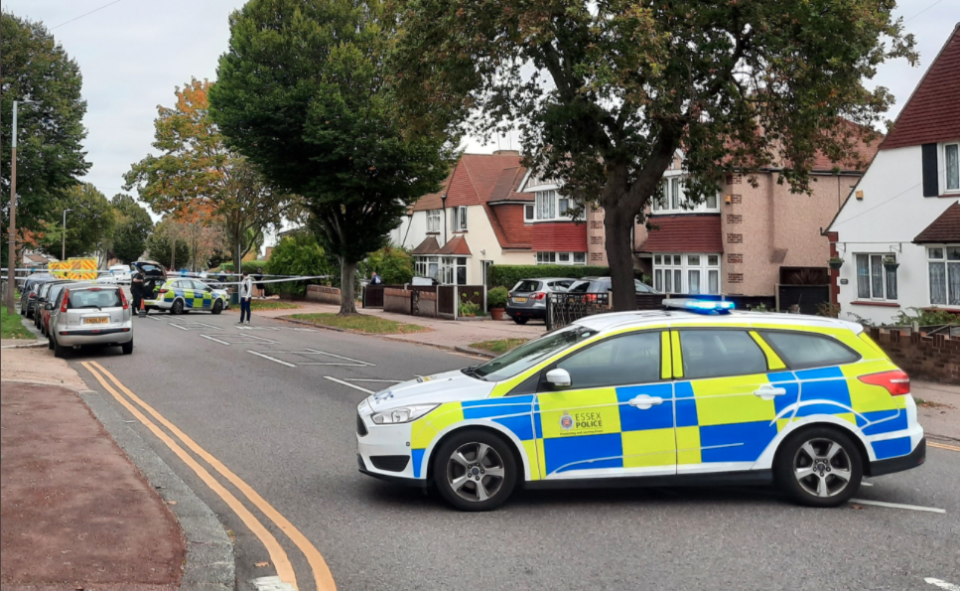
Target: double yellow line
(322, 576)
(942, 446)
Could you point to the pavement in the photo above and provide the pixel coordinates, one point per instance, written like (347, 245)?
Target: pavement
(76, 514)
(271, 411)
(938, 409)
(443, 333)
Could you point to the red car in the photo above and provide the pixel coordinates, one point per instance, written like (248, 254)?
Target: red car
(52, 300)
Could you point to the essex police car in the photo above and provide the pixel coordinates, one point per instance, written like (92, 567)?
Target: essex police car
(696, 394)
(182, 295)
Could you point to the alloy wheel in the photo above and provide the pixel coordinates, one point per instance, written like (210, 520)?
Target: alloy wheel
(476, 472)
(823, 468)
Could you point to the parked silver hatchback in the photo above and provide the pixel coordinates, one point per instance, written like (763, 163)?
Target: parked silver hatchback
(87, 315)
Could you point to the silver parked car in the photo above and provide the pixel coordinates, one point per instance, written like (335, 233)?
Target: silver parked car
(528, 298)
(88, 315)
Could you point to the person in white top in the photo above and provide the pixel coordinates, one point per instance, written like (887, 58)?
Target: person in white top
(246, 293)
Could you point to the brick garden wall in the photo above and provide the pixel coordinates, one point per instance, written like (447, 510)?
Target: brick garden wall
(396, 301)
(323, 294)
(428, 304)
(932, 358)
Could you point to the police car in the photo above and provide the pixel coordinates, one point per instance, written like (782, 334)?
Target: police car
(178, 296)
(697, 394)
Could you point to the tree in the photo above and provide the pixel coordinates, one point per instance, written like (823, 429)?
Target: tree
(298, 254)
(161, 243)
(303, 94)
(90, 223)
(197, 176)
(133, 228)
(50, 133)
(394, 265)
(606, 93)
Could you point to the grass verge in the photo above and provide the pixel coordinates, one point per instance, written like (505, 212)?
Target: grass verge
(12, 327)
(499, 347)
(360, 323)
(267, 305)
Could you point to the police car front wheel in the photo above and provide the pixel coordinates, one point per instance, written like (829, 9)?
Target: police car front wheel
(820, 467)
(475, 470)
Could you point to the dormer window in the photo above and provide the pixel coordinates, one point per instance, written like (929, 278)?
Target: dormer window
(672, 199)
(551, 206)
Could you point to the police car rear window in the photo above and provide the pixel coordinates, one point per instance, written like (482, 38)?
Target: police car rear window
(807, 350)
(719, 353)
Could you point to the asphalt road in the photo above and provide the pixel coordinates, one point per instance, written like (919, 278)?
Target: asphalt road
(289, 432)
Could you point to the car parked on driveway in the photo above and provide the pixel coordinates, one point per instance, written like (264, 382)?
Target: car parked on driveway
(528, 298)
(92, 315)
(605, 285)
(28, 293)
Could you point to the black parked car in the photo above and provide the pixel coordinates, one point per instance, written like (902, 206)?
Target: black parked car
(28, 293)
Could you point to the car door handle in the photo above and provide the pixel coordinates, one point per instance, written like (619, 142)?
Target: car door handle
(644, 402)
(770, 392)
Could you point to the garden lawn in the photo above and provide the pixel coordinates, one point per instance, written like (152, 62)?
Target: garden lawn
(499, 347)
(12, 327)
(267, 305)
(360, 323)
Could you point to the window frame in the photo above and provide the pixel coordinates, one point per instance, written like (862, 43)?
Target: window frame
(945, 261)
(660, 270)
(545, 387)
(946, 169)
(549, 207)
(434, 221)
(571, 261)
(532, 211)
(883, 274)
(800, 366)
(672, 198)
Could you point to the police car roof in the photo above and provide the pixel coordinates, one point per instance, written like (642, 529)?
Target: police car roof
(620, 320)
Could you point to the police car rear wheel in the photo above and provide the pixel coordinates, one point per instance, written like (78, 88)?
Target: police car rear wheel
(177, 308)
(475, 471)
(820, 467)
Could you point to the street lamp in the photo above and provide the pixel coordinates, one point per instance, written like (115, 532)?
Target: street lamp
(63, 256)
(12, 258)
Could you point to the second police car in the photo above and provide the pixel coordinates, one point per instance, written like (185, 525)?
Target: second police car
(184, 295)
(696, 394)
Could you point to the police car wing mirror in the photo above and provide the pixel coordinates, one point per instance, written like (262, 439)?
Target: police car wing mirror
(559, 378)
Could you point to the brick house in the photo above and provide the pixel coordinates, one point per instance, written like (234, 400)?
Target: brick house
(749, 238)
(899, 234)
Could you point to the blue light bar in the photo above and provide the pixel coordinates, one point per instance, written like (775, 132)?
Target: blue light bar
(700, 306)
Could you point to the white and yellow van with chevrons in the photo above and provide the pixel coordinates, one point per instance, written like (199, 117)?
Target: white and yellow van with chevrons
(697, 394)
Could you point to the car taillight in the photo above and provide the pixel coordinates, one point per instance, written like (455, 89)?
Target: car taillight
(66, 298)
(32, 296)
(591, 297)
(538, 296)
(896, 382)
(163, 291)
(123, 300)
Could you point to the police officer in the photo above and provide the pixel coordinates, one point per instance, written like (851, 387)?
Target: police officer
(136, 290)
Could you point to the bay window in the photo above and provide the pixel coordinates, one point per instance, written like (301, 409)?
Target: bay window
(943, 263)
(428, 267)
(874, 280)
(454, 271)
(550, 205)
(692, 274)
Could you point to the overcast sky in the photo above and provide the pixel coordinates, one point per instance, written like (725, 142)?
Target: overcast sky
(135, 52)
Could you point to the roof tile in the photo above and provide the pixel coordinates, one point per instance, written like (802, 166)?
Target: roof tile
(945, 228)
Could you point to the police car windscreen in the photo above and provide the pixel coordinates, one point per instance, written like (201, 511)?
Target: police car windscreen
(526, 356)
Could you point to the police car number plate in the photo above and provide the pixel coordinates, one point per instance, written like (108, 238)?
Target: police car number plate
(96, 320)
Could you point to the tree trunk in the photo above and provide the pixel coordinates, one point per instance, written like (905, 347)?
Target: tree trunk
(348, 292)
(619, 231)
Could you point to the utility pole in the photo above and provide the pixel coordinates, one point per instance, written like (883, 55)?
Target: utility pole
(12, 254)
(63, 251)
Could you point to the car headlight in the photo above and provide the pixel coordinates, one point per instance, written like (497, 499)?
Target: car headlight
(403, 414)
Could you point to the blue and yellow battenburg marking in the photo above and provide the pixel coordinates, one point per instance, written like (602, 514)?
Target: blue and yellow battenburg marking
(714, 420)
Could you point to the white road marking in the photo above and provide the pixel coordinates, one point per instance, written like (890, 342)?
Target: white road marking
(866, 484)
(239, 339)
(376, 381)
(357, 361)
(258, 328)
(272, 359)
(898, 506)
(271, 584)
(943, 584)
(349, 385)
(188, 326)
(210, 338)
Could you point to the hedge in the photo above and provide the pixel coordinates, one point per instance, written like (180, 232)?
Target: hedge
(509, 275)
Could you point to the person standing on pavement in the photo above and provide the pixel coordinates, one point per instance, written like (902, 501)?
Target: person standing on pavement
(136, 290)
(261, 290)
(246, 294)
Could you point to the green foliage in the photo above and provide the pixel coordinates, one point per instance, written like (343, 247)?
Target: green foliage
(133, 228)
(927, 317)
(298, 254)
(303, 93)
(828, 309)
(160, 249)
(509, 275)
(51, 133)
(497, 297)
(394, 265)
(90, 223)
(606, 93)
(12, 326)
(250, 267)
(468, 308)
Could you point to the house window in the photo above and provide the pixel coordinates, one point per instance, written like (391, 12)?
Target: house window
(454, 271)
(458, 219)
(951, 156)
(551, 206)
(672, 199)
(874, 281)
(693, 274)
(944, 273)
(428, 267)
(434, 221)
(561, 258)
(529, 213)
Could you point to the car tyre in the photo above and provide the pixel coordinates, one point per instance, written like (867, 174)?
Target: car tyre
(177, 308)
(521, 321)
(50, 342)
(58, 351)
(218, 307)
(475, 470)
(127, 348)
(23, 311)
(819, 467)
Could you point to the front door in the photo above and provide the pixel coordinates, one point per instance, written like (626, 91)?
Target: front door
(616, 419)
(727, 399)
